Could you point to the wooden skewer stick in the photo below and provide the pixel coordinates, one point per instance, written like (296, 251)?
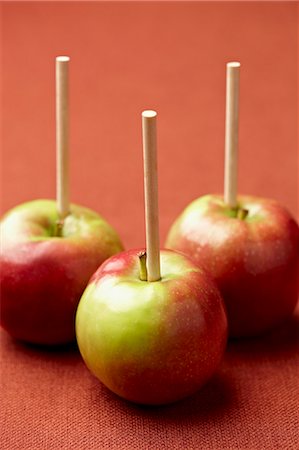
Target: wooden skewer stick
(62, 138)
(231, 134)
(149, 130)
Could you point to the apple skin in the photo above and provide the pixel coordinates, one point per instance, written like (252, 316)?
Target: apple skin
(42, 276)
(254, 261)
(151, 342)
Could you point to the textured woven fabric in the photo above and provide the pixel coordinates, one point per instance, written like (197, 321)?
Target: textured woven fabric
(126, 57)
(50, 401)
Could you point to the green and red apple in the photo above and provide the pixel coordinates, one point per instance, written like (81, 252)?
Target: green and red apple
(45, 267)
(251, 252)
(151, 342)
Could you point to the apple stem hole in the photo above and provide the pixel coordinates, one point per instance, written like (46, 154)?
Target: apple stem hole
(242, 213)
(59, 228)
(142, 266)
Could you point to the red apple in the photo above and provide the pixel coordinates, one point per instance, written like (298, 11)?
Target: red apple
(45, 268)
(251, 252)
(151, 342)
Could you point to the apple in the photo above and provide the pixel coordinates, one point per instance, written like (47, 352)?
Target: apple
(45, 267)
(151, 342)
(252, 253)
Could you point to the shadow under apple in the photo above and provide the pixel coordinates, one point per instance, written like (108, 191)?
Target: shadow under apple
(279, 343)
(62, 354)
(214, 399)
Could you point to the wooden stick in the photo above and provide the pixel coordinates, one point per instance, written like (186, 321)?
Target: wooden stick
(62, 139)
(231, 133)
(151, 195)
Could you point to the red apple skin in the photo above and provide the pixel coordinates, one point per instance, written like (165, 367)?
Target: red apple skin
(151, 342)
(254, 261)
(42, 276)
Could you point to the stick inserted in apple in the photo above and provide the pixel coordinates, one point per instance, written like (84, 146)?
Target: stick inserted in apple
(151, 325)
(49, 250)
(250, 245)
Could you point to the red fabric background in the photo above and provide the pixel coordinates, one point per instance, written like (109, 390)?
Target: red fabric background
(126, 57)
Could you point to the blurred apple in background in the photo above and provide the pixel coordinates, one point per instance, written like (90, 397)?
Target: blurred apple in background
(45, 267)
(252, 253)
